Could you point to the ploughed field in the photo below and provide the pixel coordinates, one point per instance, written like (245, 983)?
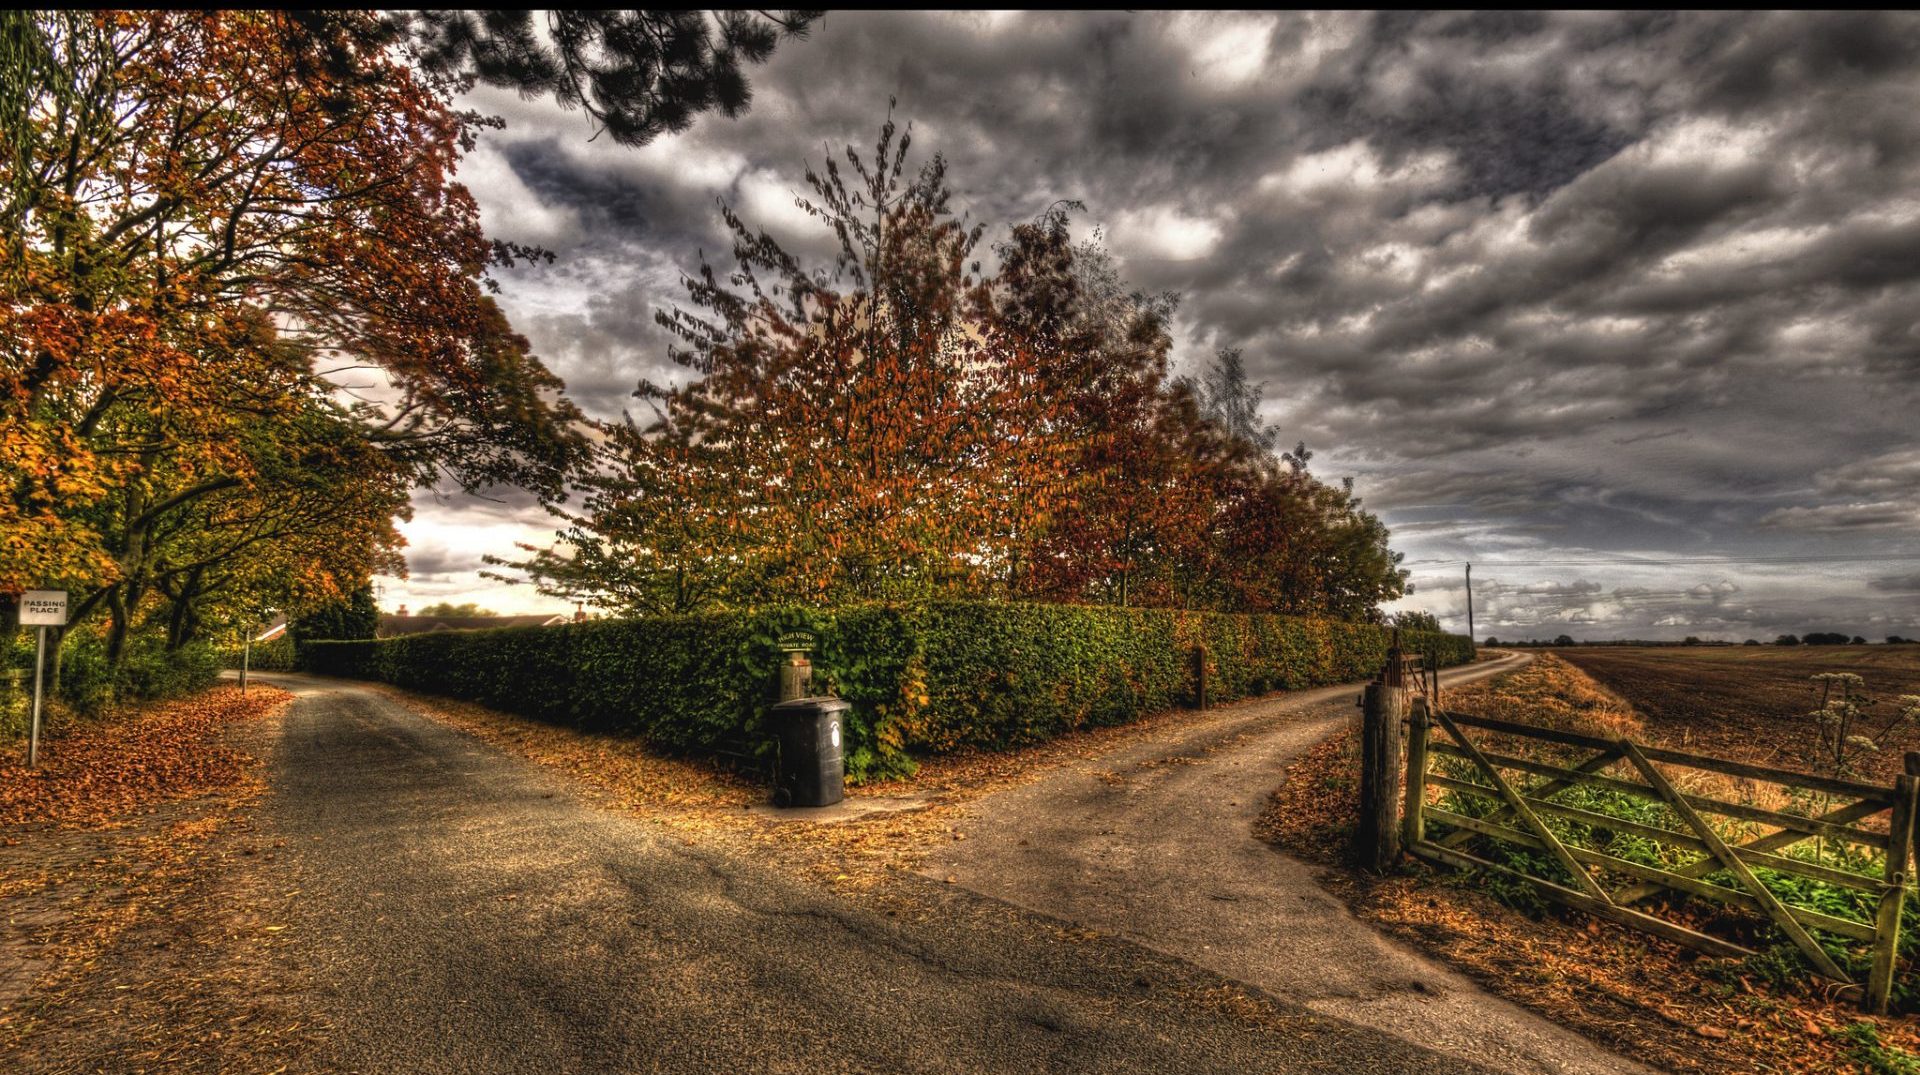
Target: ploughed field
(1751, 702)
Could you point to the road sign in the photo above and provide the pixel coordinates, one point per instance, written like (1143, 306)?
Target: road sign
(43, 608)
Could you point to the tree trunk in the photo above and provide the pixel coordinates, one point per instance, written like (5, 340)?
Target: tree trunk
(59, 638)
(176, 624)
(117, 627)
(183, 624)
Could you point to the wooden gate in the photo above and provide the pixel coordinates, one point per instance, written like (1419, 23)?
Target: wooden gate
(1505, 796)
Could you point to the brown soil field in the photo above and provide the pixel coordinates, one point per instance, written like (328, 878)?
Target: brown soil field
(1750, 702)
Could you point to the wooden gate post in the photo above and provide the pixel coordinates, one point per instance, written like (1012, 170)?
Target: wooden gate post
(1413, 821)
(1886, 927)
(1378, 839)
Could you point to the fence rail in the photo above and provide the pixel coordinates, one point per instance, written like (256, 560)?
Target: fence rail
(1499, 795)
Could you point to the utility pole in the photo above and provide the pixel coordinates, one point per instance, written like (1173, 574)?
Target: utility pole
(1470, 634)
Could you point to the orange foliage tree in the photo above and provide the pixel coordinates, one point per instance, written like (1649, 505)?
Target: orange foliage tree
(859, 433)
(901, 425)
(240, 284)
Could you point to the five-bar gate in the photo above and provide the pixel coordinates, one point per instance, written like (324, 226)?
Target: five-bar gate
(1504, 788)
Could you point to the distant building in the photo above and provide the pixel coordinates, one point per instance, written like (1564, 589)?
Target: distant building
(395, 624)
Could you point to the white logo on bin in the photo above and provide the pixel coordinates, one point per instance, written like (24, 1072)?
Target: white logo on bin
(836, 734)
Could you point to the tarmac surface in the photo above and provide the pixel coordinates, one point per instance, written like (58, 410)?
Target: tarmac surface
(1155, 842)
(464, 911)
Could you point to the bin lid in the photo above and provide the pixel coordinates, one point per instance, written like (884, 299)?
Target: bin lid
(825, 703)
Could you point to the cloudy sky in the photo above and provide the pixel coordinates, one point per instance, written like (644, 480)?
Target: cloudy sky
(1624, 309)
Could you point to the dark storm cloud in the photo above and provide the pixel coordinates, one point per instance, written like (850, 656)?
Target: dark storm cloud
(1898, 583)
(437, 564)
(1516, 134)
(1879, 493)
(1586, 602)
(1580, 589)
(606, 348)
(1611, 283)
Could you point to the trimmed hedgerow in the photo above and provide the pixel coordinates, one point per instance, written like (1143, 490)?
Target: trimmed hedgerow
(693, 683)
(923, 679)
(274, 655)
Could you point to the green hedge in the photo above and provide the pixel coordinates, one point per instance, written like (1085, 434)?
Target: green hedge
(922, 678)
(148, 672)
(16, 682)
(274, 655)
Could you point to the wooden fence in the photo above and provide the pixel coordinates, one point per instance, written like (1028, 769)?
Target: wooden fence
(1517, 792)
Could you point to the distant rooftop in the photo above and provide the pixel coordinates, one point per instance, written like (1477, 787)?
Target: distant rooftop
(392, 625)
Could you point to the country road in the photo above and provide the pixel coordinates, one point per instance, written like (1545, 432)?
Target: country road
(1155, 842)
(463, 911)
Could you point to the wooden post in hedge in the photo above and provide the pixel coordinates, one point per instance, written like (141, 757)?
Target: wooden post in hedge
(1378, 838)
(1199, 677)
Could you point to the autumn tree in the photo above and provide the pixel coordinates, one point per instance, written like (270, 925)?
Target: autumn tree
(1357, 570)
(1121, 489)
(658, 528)
(314, 521)
(1419, 620)
(243, 307)
(352, 616)
(849, 428)
(1177, 494)
(1232, 402)
(900, 424)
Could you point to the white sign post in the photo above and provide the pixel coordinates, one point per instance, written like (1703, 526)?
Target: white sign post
(42, 609)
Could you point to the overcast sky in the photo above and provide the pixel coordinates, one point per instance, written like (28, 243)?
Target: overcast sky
(1549, 288)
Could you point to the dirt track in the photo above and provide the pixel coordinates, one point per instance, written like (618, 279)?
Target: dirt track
(1155, 842)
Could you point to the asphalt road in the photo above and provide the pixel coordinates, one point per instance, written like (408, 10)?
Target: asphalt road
(465, 911)
(1155, 842)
